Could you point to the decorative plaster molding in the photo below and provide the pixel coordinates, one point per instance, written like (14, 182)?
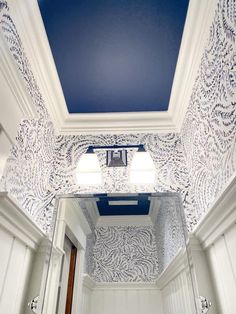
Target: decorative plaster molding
(220, 217)
(16, 221)
(28, 17)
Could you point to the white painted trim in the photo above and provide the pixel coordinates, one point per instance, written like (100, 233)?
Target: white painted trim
(19, 223)
(126, 286)
(155, 204)
(92, 208)
(74, 203)
(120, 220)
(196, 32)
(92, 285)
(126, 220)
(178, 264)
(220, 217)
(88, 282)
(27, 16)
(13, 77)
(72, 223)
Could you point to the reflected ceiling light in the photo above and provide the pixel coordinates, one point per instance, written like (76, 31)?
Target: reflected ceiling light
(142, 170)
(88, 171)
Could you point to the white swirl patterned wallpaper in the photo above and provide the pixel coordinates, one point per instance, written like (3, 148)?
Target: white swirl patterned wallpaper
(169, 229)
(124, 254)
(166, 151)
(208, 135)
(196, 163)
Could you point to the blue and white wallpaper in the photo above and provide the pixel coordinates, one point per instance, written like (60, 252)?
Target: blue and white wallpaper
(169, 230)
(197, 163)
(124, 254)
(208, 135)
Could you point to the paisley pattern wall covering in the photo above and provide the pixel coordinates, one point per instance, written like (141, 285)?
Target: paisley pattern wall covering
(169, 229)
(124, 254)
(208, 135)
(197, 163)
(166, 151)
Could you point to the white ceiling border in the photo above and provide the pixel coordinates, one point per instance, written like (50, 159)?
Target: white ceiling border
(32, 32)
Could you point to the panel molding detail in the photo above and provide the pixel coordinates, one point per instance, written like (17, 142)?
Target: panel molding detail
(220, 217)
(15, 220)
(21, 257)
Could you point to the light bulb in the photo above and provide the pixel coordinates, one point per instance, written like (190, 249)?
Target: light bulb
(142, 170)
(88, 170)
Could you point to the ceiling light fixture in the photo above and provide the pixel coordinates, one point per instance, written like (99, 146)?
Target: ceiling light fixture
(88, 171)
(142, 170)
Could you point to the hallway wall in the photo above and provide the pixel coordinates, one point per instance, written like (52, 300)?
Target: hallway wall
(207, 139)
(208, 134)
(197, 162)
(125, 254)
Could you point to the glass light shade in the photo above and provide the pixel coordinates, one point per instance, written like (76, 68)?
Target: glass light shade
(142, 170)
(88, 170)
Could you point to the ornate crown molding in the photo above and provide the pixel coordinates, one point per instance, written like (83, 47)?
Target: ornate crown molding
(27, 17)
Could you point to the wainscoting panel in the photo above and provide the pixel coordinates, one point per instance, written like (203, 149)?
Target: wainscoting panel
(126, 301)
(217, 235)
(19, 240)
(176, 296)
(222, 259)
(15, 264)
(86, 300)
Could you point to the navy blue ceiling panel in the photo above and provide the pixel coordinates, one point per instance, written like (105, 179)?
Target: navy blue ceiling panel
(123, 205)
(115, 55)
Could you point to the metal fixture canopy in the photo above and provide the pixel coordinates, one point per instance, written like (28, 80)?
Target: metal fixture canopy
(116, 155)
(114, 147)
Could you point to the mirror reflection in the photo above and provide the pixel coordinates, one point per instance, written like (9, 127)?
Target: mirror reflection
(120, 251)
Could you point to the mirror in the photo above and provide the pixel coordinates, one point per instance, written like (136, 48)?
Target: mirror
(119, 252)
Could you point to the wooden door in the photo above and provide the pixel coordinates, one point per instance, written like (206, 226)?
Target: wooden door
(71, 279)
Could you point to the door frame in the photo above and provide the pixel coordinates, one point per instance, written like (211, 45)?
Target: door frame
(70, 222)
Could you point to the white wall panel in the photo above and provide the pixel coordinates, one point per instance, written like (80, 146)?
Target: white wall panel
(125, 301)
(222, 260)
(86, 300)
(15, 264)
(176, 296)
(19, 240)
